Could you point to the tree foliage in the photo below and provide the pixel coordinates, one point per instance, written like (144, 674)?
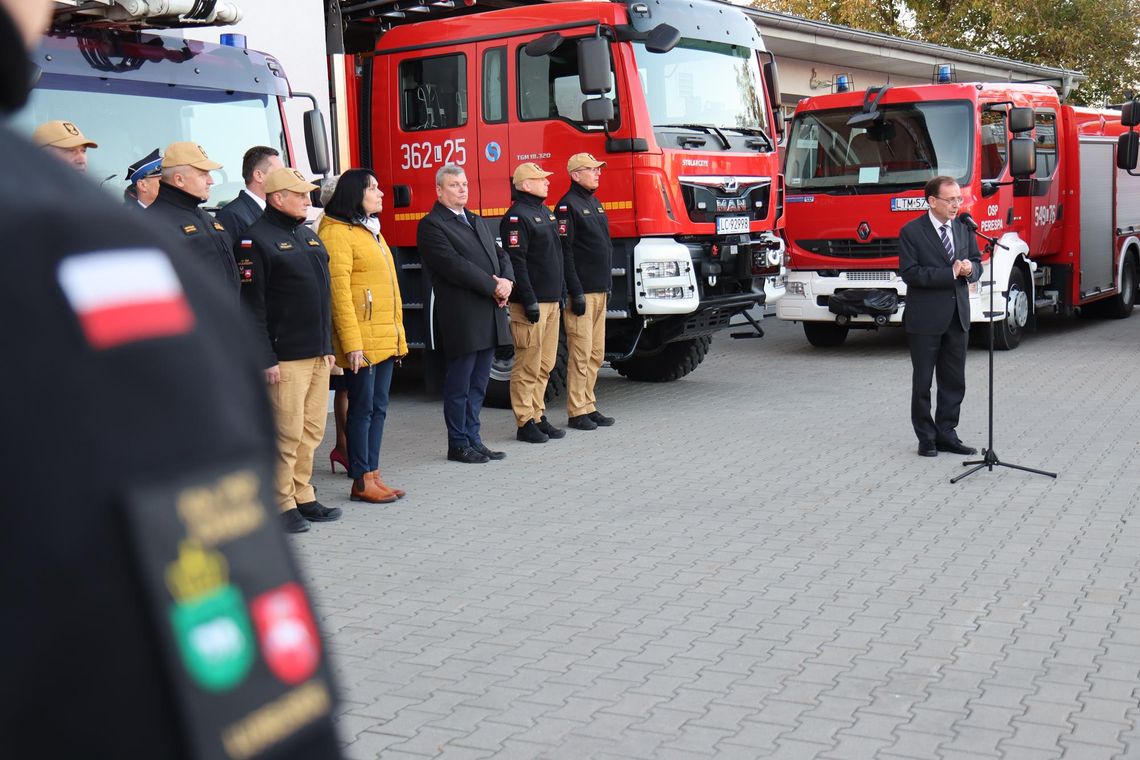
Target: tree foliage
(1100, 38)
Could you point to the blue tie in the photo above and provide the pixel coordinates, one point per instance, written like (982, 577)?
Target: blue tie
(946, 241)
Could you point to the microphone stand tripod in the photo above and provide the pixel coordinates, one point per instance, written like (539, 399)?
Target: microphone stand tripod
(989, 458)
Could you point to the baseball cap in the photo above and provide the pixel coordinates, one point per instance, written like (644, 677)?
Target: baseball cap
(60, 134)
(285, 178)
(583, 161)
(529, 170)
(148, 166)
(188, 154)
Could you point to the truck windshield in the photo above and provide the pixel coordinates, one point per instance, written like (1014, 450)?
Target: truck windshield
(700, 85)
(130, 119)
(907, 145)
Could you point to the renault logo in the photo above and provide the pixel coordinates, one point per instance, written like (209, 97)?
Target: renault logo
(730, 185)
(863, 231)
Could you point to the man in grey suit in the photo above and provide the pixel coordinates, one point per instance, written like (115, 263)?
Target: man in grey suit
(938, 259)
(471, 279)
(237, 215)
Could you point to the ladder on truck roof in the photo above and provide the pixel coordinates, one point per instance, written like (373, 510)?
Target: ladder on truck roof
(138, 15)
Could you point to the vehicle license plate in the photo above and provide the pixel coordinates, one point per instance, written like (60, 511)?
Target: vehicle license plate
(731, 225)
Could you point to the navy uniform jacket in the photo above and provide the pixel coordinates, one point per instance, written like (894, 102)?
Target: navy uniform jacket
(932, 290)
(129, 461)
(237, 215)
(530, 235)
(586, 242)
(182, 216)
(285, 283)
(459, 261)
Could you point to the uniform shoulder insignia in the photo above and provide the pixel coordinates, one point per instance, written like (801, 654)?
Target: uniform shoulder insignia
(218, 226)
(247, 244)
(601, 210)
(538, 220)
(552, 217)
(190, 229)
(563, 207)
(285, 246)
(245, 269)
(126, 296)
(224, 597)
(314, 243)
(585, 212)
(514, 219)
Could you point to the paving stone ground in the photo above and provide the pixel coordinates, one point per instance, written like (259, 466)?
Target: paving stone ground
(753, 563)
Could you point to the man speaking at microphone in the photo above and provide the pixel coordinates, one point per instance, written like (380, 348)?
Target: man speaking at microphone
(938, 259)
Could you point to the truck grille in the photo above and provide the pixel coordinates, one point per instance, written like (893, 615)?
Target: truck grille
(704, 203)
(852, 249)
(870, 276)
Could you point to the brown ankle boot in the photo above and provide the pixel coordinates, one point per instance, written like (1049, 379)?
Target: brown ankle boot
(370, 492)
(375, 475)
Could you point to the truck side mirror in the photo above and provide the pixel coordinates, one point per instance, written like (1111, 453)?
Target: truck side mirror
(1021, 120)
(594, 66)
(662, 38)
(1022, 157)
(1128, 151)
(772, 84)
(1130, 113)
(316, 142)
(597, 111)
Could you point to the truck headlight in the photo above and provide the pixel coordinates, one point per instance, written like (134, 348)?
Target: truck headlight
(661, 269)
(796, 288)
(677, 292)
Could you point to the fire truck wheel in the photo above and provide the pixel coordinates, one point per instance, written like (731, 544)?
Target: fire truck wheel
(825, 334)
(499, 386)
(1120, 306)
(1008, 332)
(676, 360)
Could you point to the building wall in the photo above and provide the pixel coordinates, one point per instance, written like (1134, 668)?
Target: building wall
(801, 79)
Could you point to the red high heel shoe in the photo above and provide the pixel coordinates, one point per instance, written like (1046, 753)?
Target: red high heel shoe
(337, 457)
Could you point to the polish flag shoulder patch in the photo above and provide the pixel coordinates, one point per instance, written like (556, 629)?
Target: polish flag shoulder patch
(125, 296)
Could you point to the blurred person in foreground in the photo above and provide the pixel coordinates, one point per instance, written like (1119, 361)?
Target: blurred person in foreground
(368, 323)
(153, 607)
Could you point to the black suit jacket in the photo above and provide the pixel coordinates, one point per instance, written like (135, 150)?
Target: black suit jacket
(239, 214)
(932, 290)
(459, 262)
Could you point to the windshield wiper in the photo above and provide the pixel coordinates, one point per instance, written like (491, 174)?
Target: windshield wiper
(754, 132)
(706, 128)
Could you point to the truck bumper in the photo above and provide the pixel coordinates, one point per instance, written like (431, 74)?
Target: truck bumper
(806, 295)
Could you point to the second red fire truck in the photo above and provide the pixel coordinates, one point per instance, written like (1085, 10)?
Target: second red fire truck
(1038, 174)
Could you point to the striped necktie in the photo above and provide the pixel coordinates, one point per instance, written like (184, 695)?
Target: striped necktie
(946, 241)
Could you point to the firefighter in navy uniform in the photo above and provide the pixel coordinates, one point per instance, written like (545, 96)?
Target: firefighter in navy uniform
(286, 287)
(184, 187)
(530, 236)
(589, 266)
(151, 605)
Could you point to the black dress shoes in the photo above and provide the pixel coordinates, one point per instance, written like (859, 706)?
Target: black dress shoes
(955, 447)
(314, 511)
(496, 455)
(466, 455)
(600, 419)
(582, 422)
(294, 522)
(927, 449)
(530, 433)
(551, 431)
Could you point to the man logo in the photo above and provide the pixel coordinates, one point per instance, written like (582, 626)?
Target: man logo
(730, 185)
(864, 231)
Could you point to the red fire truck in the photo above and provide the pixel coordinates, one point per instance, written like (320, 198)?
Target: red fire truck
(675, 96)
(855, 167)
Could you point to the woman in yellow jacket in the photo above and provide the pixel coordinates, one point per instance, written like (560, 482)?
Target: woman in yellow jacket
(368, 323)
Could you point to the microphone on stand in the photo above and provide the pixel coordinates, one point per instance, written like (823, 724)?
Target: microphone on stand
(968, 220)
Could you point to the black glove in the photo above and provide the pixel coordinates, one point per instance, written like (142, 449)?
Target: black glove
(532, 312)
(578, 305)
